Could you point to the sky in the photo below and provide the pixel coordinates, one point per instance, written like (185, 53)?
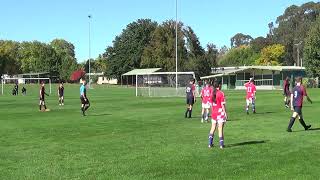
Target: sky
(214, 21)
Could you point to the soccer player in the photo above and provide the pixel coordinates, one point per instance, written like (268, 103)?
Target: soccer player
(219, 115)
(191, 98)
(24, 91)
(251, 95)
(42, 99)
(286, 92)
(16, 87)
(296, 104)
(206, 96)
(85, 104)
(61, 94)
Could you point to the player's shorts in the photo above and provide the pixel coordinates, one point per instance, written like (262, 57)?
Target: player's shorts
(218, 116)
(286, 93)
(298, 110)
(60, 95)
(250, 101)
(42, 101)
(190, 100)
(206, 105)
(83, 101)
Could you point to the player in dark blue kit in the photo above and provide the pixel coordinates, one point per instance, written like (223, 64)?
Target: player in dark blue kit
(61, 94)
(298, 92)
(191, 98)
(85, 104)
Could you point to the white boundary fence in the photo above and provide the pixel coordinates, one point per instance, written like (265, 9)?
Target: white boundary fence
(4, 80)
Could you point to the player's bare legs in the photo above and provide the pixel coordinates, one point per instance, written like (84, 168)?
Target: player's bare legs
(221, 136)
(253, 105)
(207, 114)
(83, 109)
(203, 114)
(211, 133)
(190, 110)
(247, 107)
(87, 106)
(292, 120)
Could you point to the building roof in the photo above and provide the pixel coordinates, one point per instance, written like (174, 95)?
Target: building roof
(95, 74)
(224, 71)
(222, 74)
(272, 68)
(33, 74)
(275, 68)
(141, 71)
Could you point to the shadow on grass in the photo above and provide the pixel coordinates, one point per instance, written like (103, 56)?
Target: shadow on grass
(246, 143)
(105, 114)
(311, 129)
(209, 119)
(268, 112)
(314, 129)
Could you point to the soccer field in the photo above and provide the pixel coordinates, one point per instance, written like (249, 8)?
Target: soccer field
(127, 137)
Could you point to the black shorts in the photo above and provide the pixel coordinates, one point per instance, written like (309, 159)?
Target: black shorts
(190, 100)
(298, 110)
(60, 95)
(83, 101)
(41, 98)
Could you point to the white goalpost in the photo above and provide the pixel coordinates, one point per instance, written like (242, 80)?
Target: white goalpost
(7, 80)
(162, 84)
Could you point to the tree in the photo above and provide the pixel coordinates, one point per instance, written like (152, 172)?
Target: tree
(38, 57)
(240, 39)
(127, 49)
(198, 60)
(293, 27)
(312, 50)
(9, 63)
(243, 55)
(161, 50)
(259, 43)
(212, 55)
(67, 62)
(271, 55)
(192, 43)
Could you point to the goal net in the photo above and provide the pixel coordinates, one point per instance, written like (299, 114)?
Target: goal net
(163, 84)
(30, 84)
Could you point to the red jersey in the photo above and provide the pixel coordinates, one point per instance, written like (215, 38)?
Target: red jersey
(217, 111)
(251, 90)
(193, 88)
(206, 94)
(220, 100)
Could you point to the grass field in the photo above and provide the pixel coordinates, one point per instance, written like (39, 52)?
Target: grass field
(124, 137)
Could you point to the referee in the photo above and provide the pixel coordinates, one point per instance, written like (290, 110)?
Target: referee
(85, 104)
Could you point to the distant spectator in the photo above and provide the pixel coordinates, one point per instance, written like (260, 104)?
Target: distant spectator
(16, 87)
(14, 93)
(24, 91)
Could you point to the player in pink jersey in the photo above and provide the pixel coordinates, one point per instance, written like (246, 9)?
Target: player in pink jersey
(219, 115)
(206, 96)
(251, 95)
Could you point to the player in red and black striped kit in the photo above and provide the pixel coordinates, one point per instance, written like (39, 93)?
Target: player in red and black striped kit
(298, 92)
(286, 92)
(42, 98)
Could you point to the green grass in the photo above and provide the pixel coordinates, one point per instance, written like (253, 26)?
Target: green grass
(124, 137)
